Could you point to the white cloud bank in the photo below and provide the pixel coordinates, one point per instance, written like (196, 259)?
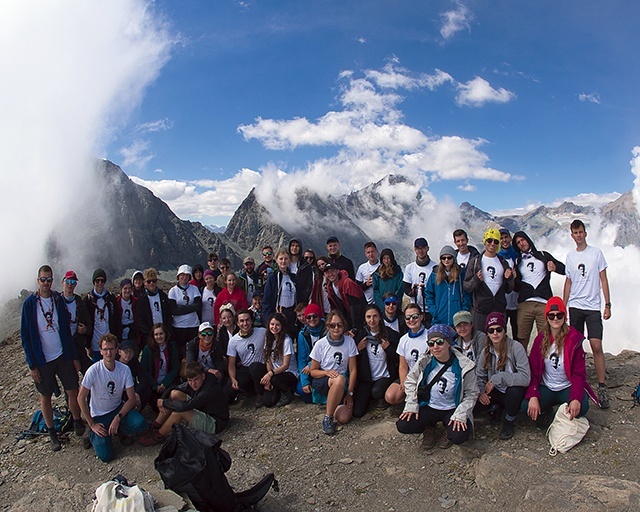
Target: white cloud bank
(70, 70)
(454, 21)
(592, 97)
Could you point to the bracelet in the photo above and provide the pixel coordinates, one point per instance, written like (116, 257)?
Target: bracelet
(608, 305)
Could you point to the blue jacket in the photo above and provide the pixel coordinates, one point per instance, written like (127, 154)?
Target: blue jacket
(304, 359)
(30, 334)
(382, 286)
(272, 290)
(445, 299)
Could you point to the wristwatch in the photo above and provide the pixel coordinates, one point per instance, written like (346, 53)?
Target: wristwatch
(119, 415)
(608, 305)
(350, 393)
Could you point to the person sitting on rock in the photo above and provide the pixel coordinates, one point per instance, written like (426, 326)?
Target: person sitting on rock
(278, 375)
(106, 413)
(206, 351)
(334, 367)
(199, 402)
(558, 372)
(503, 374)
(128, 354)
(470, 341)
(441, 387)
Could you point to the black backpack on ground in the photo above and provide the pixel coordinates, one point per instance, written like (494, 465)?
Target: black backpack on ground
(192, 462)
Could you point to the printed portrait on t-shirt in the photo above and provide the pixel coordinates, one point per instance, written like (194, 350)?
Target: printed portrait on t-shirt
(374, 348)
(442, 385)
(492, 272)
(337, 356)
(414, 354)
(251, 348)
(111, 387)
(554, 360)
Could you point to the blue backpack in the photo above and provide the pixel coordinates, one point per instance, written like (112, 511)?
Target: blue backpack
(62, 422)
(635, 394)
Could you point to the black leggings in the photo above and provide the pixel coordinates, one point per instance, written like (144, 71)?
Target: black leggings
(281, 382)
(428, 417)
(366, 390)
(245, 383)
(510, 400)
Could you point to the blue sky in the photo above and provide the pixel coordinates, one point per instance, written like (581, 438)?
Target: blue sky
(503, 104)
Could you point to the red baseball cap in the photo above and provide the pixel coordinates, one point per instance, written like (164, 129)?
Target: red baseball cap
(555, 304)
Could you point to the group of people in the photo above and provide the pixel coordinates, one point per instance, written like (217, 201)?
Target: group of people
(319, 328)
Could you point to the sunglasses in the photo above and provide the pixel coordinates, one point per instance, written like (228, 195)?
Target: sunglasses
(337, 325)
(207, 333)
(446, 258)
(45, 279)
(71, 282)
(100, 280)
(436, 341)
(555, 316)
(492, 241)
(269, 253)
(491, 330)
(224, 267)
(213, 259)
(149, 281)
(309, 258)
(415, 316)
(391, 303)
(312, 317)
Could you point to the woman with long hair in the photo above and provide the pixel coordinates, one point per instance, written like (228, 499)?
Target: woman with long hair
(410, 348)
(278, 375)
(228, 326)
(503, 374)
(387, 278)
(377, 361)
(334, 368)
(281, 291)
(160, 359)
(231, 294)
(444, 295)
(558, 372)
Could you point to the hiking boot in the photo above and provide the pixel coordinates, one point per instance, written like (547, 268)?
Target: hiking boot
(150, 438)
(328, 425)
(79, 427)
(495, 413)
(603, 399)
(285, 399)
(445, 442)
(55, 442)
(428, 438)
(507, 429)
(259, 401)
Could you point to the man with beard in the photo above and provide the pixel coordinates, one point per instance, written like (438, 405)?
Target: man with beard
(153, 307)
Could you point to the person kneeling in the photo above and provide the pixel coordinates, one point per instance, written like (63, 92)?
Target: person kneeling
(106, 413)
(200, 402)
(441, 386)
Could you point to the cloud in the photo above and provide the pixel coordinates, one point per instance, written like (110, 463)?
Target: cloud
(137, 154)
(593, 97)
(467, 187)
(477, 92)
(72, 73)
(635, 169)
(160, 125)
(452, 22)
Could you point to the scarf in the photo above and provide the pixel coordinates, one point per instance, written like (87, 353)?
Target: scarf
(336, 343)
(419, 333)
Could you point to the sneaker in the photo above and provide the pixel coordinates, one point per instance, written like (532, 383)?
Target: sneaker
(285, 399)
(79, 427)
(507, 429)
(603, 399)
(259, 401)
(444, 442)
(328, 425)
(55, 442)
(428, 438)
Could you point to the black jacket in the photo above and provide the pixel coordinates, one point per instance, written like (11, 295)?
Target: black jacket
(145, 317)
(112, 308)
(393, 361)
(484, 301)
(217, 355)
(543, 290)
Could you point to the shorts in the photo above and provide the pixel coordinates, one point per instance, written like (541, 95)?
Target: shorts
(202, 421)
(61, 367)
(321, 385)
(579, 317)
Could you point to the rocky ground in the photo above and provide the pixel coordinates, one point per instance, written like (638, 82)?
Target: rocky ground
(366, 466)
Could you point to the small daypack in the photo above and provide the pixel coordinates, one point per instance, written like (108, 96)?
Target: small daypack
(565, 433)
(62, 422)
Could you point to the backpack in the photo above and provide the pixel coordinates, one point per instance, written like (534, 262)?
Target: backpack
(62, 422)
(565, 433)
(193, 462)
(635, 394)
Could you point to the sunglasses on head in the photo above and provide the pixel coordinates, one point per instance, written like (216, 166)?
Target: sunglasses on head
(436, 341)
(311, 317)
(337, 325)
(149, 281)
(415, 316)
(491, 241)
(207, 333)
(556, 316)
(45, 279)
(71, 282)
(491, 330)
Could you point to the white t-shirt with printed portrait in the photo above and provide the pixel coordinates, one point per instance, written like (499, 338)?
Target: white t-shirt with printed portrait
(106, 386)
(412, 349)
(334, 358)
(250, 349)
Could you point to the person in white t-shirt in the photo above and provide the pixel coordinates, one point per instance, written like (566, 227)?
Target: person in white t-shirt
(245, 347)
(105, 412)
(366, 270)
(586, 271)
(186, 305)
(334, 367)
(277, 376)
(208, 297)
(464, 251)
(416, 275)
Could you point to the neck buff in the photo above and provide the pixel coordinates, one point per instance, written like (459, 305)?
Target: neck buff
(204, 347)
(419, 333)
(335, 343)
(151, 294)
(316, 331)
(99, 295)
(69, 300)
(372, 337)
(424, 262)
